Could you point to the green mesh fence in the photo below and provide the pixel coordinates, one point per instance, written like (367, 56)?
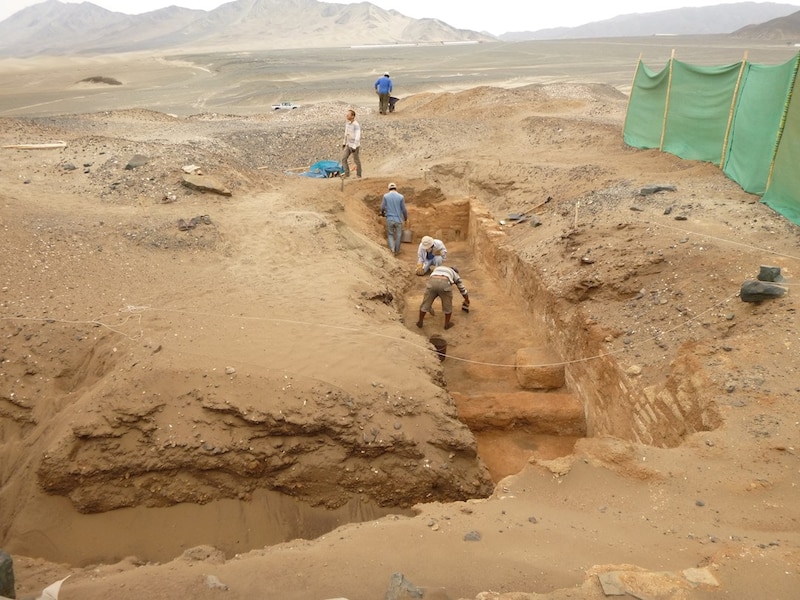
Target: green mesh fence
(756, 124)
(698, 110)
(644, 119)
(738, 117)
(783, 193)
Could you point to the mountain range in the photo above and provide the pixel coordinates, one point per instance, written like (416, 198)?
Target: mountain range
(780, 29)
(57, 28)
(706, 20)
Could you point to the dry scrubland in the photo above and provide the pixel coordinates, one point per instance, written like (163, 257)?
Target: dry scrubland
(174, 403)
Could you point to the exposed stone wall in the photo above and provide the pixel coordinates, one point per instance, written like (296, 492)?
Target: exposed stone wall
(448, 220)
(615, 403)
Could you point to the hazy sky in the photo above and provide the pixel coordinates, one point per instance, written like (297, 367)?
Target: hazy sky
(494, 16)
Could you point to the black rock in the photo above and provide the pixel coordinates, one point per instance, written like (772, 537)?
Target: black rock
(7, 576)
(654, 189)
(766, 273)
(756, 291)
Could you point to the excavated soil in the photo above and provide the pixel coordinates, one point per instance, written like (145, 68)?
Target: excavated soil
(246, 404)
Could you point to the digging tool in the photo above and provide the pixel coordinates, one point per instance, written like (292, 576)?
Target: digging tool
(524, 216)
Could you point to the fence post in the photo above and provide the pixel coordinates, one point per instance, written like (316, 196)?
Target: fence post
(666, 103)
(730, 113)
(783, 122)
(633, 87)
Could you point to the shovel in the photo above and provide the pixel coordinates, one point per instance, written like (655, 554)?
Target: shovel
(517, 218)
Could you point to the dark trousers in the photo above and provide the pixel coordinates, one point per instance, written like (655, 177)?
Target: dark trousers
(348, 151)
(383, 103)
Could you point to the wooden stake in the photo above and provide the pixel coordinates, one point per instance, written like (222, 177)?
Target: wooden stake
(730, 113)
(666, 103)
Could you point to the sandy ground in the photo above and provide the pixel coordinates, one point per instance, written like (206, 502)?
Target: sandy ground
(245, 408)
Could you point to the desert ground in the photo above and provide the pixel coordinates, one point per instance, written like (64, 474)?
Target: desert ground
(245, 408)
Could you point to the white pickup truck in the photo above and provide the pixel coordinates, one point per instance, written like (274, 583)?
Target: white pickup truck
(285, 106)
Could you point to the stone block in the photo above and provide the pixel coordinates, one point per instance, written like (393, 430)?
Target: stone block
(539, 369)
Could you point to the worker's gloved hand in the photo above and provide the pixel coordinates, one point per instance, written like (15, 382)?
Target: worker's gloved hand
(420, 269)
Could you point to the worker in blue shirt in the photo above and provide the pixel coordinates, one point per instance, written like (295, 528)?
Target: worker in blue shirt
(383, 87)
(393, 207)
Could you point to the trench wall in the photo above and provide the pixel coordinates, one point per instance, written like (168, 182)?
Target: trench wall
(615, 404)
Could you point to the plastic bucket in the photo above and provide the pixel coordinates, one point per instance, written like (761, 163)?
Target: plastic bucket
(408, 235)
(441, 346)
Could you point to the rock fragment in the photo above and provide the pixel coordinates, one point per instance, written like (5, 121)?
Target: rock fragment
(758, 291)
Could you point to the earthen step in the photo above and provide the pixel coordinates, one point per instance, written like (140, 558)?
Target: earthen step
(550, 413)
(539, 369)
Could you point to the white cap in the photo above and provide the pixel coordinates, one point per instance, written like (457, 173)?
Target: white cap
(392, 186)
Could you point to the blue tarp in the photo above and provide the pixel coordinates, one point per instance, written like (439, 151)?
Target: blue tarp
(323, 169)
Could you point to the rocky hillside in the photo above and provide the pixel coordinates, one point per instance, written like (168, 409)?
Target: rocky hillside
(57, 28)
(705, 20)
(785, 28)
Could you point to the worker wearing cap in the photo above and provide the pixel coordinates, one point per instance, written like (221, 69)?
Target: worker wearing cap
(440, 285)
(383, 87)
(393, 207)
(430, 253)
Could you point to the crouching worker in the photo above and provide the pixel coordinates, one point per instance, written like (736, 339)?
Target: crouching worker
(440, 286)
(430, 253)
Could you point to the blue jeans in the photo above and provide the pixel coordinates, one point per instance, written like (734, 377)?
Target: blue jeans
(394, 235)
(431, 261)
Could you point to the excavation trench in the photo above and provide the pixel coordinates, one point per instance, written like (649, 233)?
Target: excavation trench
(506, 379)
(527, 371)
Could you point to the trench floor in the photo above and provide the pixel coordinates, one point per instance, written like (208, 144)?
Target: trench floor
(480, 357)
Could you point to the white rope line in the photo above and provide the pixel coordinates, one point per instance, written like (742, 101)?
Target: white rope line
(136, 315)
(136, 312)
(723, 240)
